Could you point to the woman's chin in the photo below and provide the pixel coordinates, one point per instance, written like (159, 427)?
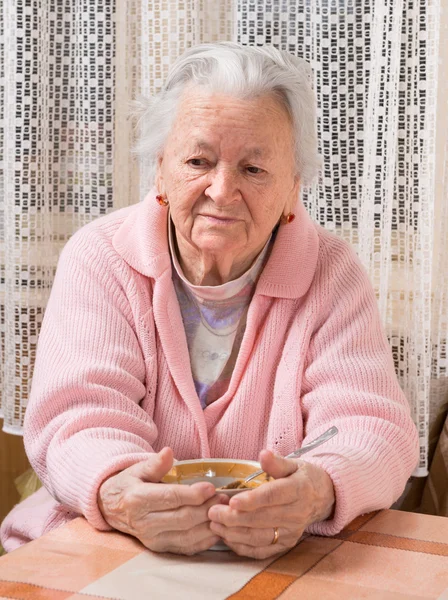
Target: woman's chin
(220, 244)
(219, 248)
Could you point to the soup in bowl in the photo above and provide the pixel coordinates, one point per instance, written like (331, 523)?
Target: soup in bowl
(225, 474)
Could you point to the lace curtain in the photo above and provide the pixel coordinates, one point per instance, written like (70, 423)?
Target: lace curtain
(69, 71)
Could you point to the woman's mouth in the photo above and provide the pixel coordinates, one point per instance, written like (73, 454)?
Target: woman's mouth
(220, 220)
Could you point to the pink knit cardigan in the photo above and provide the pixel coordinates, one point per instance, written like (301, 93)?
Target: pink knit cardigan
(113, 383)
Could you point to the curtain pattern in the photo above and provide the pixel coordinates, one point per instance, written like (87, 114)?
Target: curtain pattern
(56, 145)
(375, 66)
(70, 72)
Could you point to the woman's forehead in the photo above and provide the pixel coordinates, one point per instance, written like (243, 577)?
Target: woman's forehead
(201, 99)
(204, 119)
(199, 144)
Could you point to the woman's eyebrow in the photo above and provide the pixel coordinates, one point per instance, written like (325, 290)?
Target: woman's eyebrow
(251, 152)
(201, 145)
(257, 152)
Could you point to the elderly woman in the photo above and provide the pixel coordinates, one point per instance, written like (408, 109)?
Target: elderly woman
(214, 319)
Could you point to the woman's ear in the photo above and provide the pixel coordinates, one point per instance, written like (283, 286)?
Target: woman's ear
(294, 196)
(296, 186)
(159, 177)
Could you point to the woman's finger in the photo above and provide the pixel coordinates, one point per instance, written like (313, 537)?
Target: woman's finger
(184, 518)
(251, 536)
(277, 466)
(156, 497)
(258, 552)
(197, 539)
(153, 468)
(273, 516)
(273, 493)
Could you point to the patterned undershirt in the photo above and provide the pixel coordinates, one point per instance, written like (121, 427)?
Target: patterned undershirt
(214, 319)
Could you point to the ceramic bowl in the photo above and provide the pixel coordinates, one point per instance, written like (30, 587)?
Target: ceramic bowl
(220, 472)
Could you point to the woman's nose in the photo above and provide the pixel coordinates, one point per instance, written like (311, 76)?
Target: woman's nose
(223, 188)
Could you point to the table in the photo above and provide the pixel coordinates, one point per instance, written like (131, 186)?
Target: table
(435, 493)
(387, 555)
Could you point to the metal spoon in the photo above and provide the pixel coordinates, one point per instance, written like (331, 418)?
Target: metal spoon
(317, 442)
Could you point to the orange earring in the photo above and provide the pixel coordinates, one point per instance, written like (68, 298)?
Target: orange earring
(161, 200)
(289, 218)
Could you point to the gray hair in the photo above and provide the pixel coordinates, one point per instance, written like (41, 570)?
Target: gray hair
(241, 71)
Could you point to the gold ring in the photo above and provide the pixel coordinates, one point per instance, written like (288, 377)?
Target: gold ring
(275, 540)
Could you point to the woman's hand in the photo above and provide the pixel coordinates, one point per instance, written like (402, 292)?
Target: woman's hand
(302, 494)
(164, 517)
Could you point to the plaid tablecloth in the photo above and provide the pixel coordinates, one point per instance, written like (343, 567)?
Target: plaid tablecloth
(389, 555)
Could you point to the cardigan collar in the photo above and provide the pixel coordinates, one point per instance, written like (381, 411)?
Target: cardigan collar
(142, 241)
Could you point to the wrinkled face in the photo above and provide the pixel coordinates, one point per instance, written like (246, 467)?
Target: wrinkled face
(228, 172)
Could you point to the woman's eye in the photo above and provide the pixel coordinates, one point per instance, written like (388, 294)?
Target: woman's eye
(196, 162)
(254, 170)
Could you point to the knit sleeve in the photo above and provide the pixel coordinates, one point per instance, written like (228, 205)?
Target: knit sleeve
(349, 381)
(83, 422)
